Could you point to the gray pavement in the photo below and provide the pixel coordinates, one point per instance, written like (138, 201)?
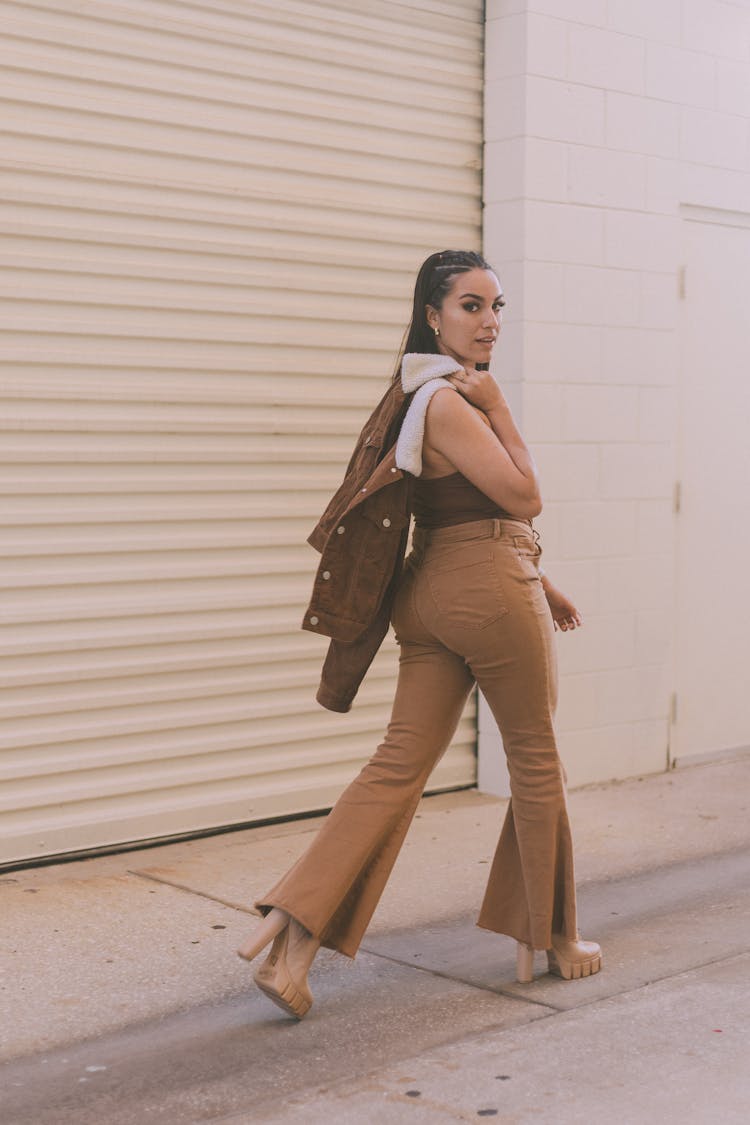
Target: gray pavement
(123, 1001)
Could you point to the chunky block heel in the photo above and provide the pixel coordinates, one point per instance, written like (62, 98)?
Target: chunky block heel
(271, 925)
(524, 963)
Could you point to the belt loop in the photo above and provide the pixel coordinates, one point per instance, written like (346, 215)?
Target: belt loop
(497, 530)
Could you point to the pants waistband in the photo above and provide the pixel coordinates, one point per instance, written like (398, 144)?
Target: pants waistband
(505, 528)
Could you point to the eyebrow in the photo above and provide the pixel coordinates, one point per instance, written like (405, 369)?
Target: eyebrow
(500, 296)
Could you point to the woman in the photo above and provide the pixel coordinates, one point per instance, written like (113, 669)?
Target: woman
(471, 605)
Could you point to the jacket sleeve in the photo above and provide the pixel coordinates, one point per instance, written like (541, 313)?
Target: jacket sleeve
(347, 662)
(346, 665)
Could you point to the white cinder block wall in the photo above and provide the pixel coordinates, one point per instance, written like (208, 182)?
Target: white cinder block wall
(602, 118)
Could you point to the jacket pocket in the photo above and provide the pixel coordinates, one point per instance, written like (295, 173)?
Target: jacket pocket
(358, 562)
(468, 592)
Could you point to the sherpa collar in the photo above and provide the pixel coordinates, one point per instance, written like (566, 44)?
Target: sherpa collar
(423, 373)
(417, 368)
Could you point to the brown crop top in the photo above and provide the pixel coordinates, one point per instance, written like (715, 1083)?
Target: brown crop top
(447, 501)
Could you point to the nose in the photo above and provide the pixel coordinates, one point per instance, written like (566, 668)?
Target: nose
(493, 319)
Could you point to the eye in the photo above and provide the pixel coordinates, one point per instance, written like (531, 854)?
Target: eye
(472, 306)
(500, 303)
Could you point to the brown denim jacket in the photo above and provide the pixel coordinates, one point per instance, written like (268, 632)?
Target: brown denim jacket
(362, 538)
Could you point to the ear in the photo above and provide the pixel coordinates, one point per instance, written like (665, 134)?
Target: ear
(432, 315)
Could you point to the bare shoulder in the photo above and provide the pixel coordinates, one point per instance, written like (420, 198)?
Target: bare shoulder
(444, 396)
(448, 405)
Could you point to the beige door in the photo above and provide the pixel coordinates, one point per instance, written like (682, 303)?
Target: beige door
(211, 215)
(712, 603)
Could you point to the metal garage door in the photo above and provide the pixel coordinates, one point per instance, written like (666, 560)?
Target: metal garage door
(211, 216)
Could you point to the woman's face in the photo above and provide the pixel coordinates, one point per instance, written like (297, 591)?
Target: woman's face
(470, 320)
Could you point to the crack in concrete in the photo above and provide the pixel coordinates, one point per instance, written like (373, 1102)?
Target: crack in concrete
(192, 891)
(555, 1008)
(458, 979)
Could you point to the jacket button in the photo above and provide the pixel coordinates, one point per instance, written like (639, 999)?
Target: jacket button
(364, 490)
(394, 470)
(313, 620)
(386, 522)
(326, 574)
(340, 530)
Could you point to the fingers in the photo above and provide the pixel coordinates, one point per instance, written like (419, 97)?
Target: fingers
(459, 381)
(463, 375)
(572, 621)
(477, 387)
(482, 394)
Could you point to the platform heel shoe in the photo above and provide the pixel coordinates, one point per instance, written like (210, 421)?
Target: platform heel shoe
(283, 982)
(570, 960)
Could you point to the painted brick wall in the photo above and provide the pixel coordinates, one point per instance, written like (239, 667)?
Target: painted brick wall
(602, 116)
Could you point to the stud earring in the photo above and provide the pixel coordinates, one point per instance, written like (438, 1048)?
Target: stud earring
(437, 331)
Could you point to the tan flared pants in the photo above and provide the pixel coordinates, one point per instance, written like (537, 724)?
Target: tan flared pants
(470, 607)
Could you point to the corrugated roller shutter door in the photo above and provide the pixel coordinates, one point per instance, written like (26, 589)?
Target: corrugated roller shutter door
(211, 215)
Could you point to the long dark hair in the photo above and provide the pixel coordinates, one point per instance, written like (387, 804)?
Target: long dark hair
(434, 282)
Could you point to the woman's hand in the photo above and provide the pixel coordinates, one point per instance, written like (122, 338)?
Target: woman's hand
(564, 614)
(479, 388)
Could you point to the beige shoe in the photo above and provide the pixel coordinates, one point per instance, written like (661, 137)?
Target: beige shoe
(283, 974)
(570, 960)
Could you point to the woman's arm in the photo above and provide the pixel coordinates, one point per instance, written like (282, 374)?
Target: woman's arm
(489, 450)
(494, 458)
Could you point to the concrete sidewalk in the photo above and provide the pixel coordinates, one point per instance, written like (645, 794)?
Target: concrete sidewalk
(123, 1000)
